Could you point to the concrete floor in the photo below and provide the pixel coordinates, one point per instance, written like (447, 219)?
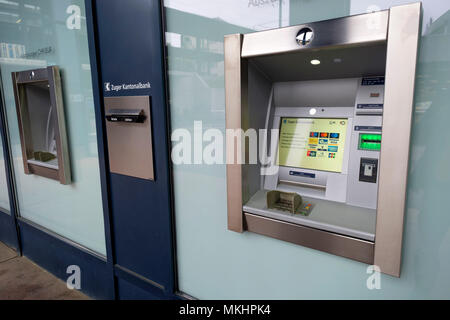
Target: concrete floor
(21, 279)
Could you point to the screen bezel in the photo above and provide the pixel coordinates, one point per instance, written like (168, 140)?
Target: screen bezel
(276, 174)
(346, 143)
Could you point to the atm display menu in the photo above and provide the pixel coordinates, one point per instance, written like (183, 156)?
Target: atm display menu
(312, 143)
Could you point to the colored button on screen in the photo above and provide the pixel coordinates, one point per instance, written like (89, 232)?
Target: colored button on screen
(334, 135)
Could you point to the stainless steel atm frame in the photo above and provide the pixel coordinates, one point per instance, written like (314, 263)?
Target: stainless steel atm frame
(399, 28)
(48, 80)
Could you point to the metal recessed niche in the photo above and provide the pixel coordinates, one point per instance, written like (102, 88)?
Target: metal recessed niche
(273, 80)
(40, 113)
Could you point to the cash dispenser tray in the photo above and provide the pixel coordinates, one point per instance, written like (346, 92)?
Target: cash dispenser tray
(338, 218)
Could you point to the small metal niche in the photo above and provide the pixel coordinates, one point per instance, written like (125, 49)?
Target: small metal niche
(40, 113)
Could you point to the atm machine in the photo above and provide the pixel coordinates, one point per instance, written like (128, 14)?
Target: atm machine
(333, 100)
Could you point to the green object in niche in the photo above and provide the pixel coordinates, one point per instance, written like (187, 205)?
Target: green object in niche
(44, 156)
(283, 201)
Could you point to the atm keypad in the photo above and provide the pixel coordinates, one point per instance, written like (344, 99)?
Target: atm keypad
(305, 209)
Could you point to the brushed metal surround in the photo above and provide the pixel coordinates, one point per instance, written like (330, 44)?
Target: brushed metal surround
(296, 66)
(43, 171)
(51, 75)
(348, 247)
(403, 36)
(236, 102)
(64, 172)
(130, 144)
(352, 30)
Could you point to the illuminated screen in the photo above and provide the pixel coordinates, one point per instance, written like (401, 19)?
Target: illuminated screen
(312, 143)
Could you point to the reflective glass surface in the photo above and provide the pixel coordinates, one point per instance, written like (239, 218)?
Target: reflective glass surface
(37, 34)
(215, 263)
(4, 197)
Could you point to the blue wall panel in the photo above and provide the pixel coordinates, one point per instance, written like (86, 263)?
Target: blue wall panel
(56, 255)
(130, 48)
(8, 233)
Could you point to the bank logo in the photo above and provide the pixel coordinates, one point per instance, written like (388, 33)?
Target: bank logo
(304, 36)
(126, 86)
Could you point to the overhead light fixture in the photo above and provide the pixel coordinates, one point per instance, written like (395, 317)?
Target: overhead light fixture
(315, 62)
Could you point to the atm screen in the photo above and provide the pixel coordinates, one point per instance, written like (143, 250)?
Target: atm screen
(312, 143)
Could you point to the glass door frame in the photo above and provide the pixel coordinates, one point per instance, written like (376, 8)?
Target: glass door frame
(9, 225)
